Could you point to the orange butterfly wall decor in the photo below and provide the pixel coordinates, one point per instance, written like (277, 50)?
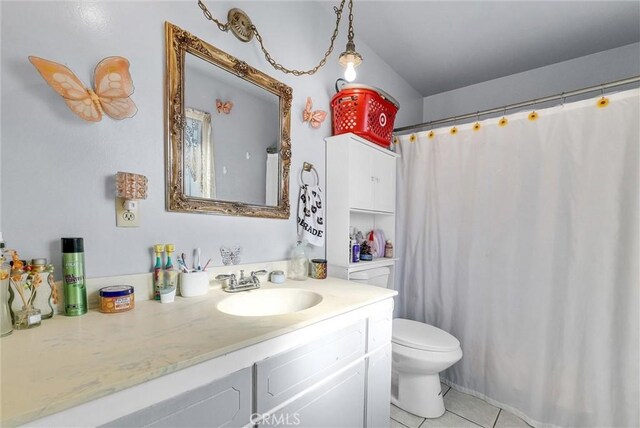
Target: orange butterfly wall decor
(315, 118)
(113, 87)
(224, 107)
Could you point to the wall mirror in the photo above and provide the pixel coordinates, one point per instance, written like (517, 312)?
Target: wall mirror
(228, 145)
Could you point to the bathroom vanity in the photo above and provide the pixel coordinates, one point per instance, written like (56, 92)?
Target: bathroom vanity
(190, 364)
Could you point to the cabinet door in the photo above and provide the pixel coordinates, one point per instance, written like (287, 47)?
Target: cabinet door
(384, 182)
(360, 176)
(281, 377)
(379, 387)
(224, 402)
(336, 403)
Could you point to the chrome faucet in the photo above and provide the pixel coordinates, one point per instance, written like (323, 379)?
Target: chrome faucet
(243, 283)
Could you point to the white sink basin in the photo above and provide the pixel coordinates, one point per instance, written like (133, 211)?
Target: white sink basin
(257, 303)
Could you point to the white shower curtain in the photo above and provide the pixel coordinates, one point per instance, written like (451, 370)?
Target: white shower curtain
(522, 241)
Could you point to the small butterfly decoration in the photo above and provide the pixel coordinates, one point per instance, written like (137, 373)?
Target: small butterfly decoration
(224, 107)
(113, 87)
(315, 118)
(230, 255)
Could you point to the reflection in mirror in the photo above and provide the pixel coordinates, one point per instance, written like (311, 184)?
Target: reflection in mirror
(228, 132)
(198, 161)
(241, 154)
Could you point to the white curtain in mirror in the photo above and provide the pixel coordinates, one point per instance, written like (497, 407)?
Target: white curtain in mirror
(199, 180)
(522, 241)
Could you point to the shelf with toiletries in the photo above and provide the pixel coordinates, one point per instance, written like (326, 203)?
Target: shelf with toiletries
(361, 179)
(375, 263)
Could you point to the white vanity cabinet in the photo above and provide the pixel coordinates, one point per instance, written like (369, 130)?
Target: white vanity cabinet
(361, 193)
(332, 373)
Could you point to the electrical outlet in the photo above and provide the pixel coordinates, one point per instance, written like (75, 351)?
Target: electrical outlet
(127, 217)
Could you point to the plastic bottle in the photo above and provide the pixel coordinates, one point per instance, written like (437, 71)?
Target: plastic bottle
(388, 249)
(299, 264)
(73, 277)
(170, 273)
(158, 279)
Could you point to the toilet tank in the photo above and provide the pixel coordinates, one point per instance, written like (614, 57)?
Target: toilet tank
(377, 276)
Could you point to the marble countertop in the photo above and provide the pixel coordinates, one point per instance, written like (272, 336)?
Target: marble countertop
(68, 361)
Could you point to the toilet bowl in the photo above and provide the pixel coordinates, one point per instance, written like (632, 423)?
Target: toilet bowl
(420, 352)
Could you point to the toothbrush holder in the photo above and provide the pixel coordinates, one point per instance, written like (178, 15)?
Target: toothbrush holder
(194, 284)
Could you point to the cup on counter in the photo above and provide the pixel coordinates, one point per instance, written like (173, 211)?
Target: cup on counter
(194, 284)
(318, 269)
(167, 294)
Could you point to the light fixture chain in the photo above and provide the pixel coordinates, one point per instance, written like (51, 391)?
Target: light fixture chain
(276, 65)
(351, 34)
(207, 14)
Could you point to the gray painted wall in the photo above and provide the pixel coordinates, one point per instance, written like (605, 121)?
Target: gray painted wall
(606, 66)
(58, 171)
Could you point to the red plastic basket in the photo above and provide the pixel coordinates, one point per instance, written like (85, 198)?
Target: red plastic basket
(366, 112)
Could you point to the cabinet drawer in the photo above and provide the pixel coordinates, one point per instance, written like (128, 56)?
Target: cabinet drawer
(224, 402)
(281, 377)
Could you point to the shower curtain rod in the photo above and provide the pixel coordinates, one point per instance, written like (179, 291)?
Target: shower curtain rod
(522, 104)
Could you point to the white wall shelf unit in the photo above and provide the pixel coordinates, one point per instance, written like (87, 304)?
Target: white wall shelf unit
(361, 193)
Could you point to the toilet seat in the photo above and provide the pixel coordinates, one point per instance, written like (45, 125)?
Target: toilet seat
(417, 335)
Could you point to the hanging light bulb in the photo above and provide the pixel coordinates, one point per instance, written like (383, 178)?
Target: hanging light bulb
(350, 58)
(350, 73)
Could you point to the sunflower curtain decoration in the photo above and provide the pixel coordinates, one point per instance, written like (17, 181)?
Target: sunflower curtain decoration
(603, 102)
(533, 116)
(431, 135)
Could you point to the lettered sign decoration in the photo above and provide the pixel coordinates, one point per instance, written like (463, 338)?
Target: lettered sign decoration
(113, 87)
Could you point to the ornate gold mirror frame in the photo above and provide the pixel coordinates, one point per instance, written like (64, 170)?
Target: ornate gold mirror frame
(178, 43)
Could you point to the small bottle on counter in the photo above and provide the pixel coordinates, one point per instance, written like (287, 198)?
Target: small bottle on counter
(158, 277)
(299, 264)
(73, 277)
(388, 249)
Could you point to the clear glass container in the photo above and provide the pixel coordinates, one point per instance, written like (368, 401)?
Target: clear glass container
(27, 317)
(299, 263)
(6, 326)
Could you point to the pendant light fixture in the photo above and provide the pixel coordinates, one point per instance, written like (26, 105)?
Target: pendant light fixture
(241, 26)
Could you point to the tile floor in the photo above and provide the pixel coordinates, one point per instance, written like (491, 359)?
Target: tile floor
(463, 411)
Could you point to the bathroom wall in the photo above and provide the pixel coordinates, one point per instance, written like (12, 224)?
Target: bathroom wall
(601, 67)
(57, 170)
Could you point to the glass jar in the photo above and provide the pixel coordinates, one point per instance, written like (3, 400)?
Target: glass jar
(299, 263)
(27, 317)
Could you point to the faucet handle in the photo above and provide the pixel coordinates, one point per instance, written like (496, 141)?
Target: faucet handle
(259, 272)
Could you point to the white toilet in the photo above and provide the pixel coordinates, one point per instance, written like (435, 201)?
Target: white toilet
(420, 352)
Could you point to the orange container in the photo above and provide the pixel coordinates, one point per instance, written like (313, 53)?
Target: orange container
(365, 111)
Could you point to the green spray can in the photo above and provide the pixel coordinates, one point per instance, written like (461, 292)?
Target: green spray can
(73, 278)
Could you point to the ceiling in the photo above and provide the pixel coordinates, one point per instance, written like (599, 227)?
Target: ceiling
(437, 46)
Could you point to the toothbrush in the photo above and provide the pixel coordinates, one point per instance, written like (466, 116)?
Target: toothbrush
(206, 264)
(196, 262)
(184, 267)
